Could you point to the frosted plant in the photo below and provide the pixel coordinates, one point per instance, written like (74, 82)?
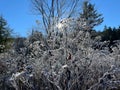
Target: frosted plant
(70, 60)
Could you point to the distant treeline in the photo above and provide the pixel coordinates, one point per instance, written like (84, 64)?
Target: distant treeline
(108, 33)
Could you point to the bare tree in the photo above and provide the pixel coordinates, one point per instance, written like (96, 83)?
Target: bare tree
(51, 11)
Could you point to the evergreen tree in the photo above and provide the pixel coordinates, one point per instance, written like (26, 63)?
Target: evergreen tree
(5, 33)
(90, 15)
(118, 33)
(107, 33)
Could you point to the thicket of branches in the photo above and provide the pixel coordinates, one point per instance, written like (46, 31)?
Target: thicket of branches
(68, 59)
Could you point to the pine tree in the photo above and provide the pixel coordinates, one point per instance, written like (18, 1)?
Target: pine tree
(90, 15)
(5, 33)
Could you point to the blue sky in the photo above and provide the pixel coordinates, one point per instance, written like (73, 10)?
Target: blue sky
(110, 10)
(18, 15)
(21, 19)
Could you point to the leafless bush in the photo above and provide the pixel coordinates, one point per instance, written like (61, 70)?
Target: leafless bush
(73, 65)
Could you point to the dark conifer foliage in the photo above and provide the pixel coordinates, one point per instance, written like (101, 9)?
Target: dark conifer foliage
(5, 34)
(90, 14)
(110, 33)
